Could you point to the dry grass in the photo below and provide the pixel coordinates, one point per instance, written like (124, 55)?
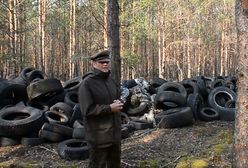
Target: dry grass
(200, 144)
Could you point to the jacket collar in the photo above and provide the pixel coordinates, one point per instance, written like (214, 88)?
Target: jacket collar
(100, 74)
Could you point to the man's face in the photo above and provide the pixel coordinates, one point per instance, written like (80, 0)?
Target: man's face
(102, 65)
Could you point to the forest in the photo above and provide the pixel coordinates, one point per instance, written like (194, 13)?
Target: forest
(168, 39)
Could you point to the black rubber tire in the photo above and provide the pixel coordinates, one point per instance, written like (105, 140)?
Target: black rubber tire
(44, 87)
(50, 99)
(76, 114)
(71, 98)
(11, 92)
(124, 132)
(141, 124)
(51, 136)
(156, 82)
(37, 105)
(6, 103)
(196, 103)
(73, 149)
(8, 141)
(202, 86)
(208, 81)
(56, 117)
(226, 114)
(4, 87)
(78, 124)
(32, 141)
(19, 80)
(72, 84)
(190, 86)
(78, 133)
(24, 74)
(34, 74)
(220, 92)
(58, 128)
(208, 114)
(19, 93)
(124, 119)
(63, 108)
(173, 86)
(30, 120)
(230, 104)
(129, 83)
(177, 117)
(217, 83)
(140, 110)
(169, 105)
(169, 96)
(230, 85)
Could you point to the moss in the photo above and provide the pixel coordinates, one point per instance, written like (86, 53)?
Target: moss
(18, 165)
(226, 136)
(199, 164)
(183, 164)
(219, 145)
(148, 164)
(69, 166)
(192, 162)
(218, 149)
(6, 164)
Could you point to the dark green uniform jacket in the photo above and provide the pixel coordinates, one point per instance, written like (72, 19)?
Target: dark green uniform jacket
(102, 127)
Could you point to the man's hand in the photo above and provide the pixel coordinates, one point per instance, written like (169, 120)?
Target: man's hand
(116, 106)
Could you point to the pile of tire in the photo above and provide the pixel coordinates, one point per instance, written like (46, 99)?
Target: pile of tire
(35, 109)
(137, 96)
(199, 98)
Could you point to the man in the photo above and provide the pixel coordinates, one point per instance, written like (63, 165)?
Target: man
(100, 107)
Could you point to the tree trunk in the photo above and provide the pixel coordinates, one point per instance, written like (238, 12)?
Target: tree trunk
(11, 49)
(105, 35)
(72, 38)
(113, 39)
(241, 126)
(42, 17)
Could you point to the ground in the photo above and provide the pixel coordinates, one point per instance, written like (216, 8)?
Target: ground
(204, 144)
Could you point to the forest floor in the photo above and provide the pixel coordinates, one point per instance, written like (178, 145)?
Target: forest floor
(204, 144)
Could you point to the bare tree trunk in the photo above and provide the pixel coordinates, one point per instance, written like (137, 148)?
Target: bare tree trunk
(133, 41)
(51, 59)
(12, 35)
(113, 39)
(222, 53)
(160, 41)
(35, 58)
(42, 17)
(72, 38)
(22, 37)
(13, 69)
(241, 126)
(105, 35)
(188, 53)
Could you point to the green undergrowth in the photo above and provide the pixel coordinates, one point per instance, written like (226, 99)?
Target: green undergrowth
(191, 162)
(148, 164)
(224, 140)
(17, 164)
(219, 145)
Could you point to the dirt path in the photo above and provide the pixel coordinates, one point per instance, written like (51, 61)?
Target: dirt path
(203, 145)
